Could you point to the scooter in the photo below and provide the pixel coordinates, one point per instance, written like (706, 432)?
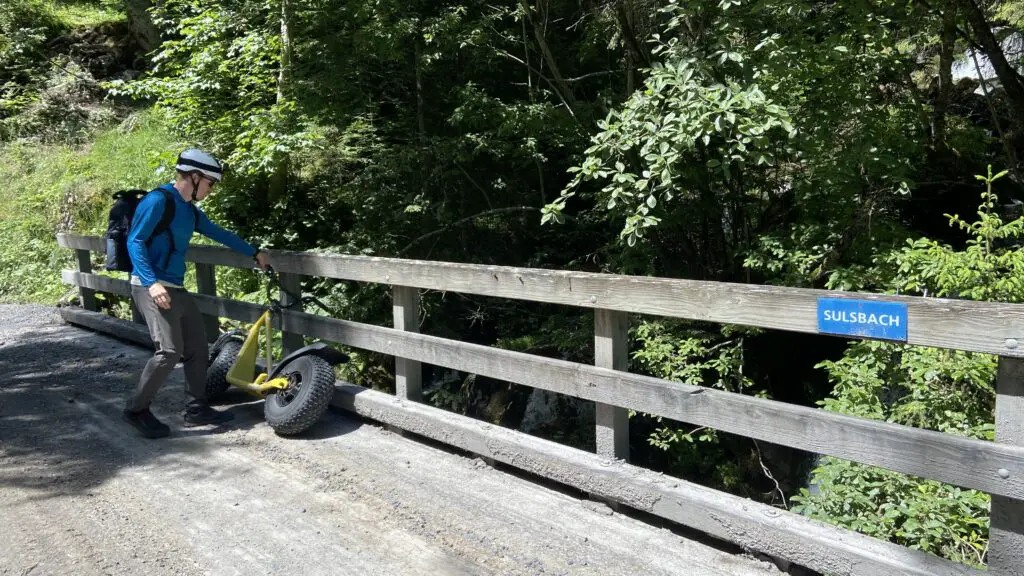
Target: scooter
(297, 389)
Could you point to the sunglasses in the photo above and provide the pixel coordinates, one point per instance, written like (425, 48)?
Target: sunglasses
(208, 179)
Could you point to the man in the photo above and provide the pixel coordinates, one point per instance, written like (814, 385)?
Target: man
(158, 278)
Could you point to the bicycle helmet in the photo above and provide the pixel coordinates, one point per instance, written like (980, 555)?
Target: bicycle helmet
(194, 160)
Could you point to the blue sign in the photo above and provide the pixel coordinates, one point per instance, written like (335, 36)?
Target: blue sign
(864, 318)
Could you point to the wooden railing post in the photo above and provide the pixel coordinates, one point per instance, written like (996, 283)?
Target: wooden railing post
(290, 341)
(206, 282)
(611, 351)
(85, 266)
(1006, 537)
(408, 377)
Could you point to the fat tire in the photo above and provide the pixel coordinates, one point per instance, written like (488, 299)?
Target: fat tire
(311, 400)
(217, 374)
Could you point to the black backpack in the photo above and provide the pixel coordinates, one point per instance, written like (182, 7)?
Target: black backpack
(119, 224)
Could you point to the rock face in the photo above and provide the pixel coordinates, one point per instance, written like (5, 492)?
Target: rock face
(108, 51)
(560, 418)
(541, 411)
(66, 97)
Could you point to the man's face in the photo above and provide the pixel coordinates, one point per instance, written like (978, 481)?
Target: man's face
(204, 187)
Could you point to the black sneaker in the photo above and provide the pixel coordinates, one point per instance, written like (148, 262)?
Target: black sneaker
(206, 415)
(146, 423)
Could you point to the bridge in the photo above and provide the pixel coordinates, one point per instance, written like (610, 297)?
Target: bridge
(605, 474)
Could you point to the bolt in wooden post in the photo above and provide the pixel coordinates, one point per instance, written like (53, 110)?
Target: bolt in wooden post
(206, 282)
(611, 351)
(1006, 537)
(290, 341)
(85, 266)
(408, 378)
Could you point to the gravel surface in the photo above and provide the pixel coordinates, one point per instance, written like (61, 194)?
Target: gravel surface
(82, 494)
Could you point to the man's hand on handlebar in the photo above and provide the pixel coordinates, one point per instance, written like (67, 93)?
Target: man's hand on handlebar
(262, 260)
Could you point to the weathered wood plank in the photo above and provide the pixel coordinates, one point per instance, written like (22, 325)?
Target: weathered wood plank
(1006, 546)
(96, 282)
(611, 350)
(406, 313)
(85, 265)
(208, 305)
(80, 242)
(994, 328)
(956, 460)
(128, 331)
(241, 311)
(806, 542)
(206, 283)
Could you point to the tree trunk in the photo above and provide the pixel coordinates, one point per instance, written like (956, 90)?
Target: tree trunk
(279, 177)
(945, 77)
(141, 25)
(418, 64)
(624, 14)
(559, 80)
(1008, 77)
(631, 58)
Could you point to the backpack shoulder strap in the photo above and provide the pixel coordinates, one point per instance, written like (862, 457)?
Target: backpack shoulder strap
(164, 225)
(167, 217)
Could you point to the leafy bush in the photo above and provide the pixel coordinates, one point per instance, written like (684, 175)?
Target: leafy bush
(64, 108)
(685, 352)
(944, 390)
(24, 27)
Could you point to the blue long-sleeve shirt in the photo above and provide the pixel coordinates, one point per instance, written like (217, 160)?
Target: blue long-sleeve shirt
(148, 261)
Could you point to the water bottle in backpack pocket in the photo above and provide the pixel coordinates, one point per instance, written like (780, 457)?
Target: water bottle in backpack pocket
(119, 223)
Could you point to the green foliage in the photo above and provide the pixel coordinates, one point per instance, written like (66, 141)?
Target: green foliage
(216, 80)
(767, 137)
(922, 514)
(87, 14)
(62, 108)
(990, 268)
(24, 27)
(45, 188)
(682, 352)
(694, 125)
(943, 390)
(43, 95)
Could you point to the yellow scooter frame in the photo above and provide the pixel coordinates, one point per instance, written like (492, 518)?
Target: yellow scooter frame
(243, 372)
(297, 390)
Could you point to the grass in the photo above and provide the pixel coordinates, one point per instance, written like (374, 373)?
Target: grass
(84, 14)
(46, 188)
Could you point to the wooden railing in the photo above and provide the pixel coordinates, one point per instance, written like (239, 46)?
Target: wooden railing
(993, 328)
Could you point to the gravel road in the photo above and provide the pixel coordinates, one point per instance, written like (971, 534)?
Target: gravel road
(81, 494)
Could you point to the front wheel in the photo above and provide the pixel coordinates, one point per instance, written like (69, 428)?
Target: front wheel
(217, 374)
(304, 401)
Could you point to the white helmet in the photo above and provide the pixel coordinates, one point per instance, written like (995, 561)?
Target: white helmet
(193, 160)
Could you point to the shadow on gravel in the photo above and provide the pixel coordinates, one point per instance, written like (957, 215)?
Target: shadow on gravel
(61, 395)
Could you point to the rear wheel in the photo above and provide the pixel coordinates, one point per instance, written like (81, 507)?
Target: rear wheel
(217, 373)
(304, 401)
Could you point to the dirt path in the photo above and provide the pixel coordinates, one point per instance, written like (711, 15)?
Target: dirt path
(80, 494)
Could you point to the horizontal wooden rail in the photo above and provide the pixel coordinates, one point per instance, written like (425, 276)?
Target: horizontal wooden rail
(988, 466)
(988, 327)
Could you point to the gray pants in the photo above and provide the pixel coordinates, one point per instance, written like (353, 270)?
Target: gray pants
(179, 334)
